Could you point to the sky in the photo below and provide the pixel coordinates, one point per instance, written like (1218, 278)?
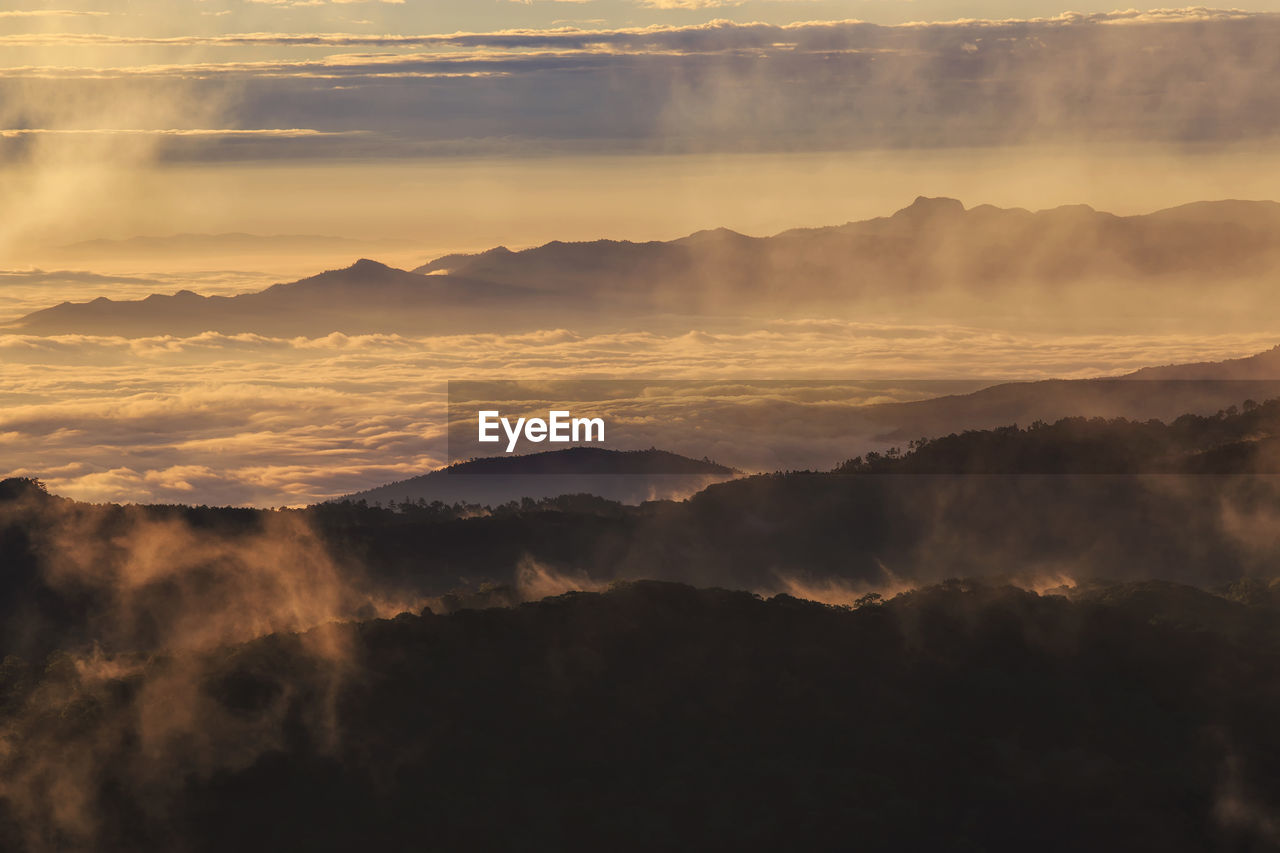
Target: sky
(407, 130)
(442, 122)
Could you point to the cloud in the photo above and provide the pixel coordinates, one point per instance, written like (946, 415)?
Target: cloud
(289, 132)
(37, 276)
(273, 421)
(1174, 77)
(689, 4)
(51, 13)
(163, 584)
(718, 34)
(309, 3)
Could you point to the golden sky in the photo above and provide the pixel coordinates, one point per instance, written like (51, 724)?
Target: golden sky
(445, 122)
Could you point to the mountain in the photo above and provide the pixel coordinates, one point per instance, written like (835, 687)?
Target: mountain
(1024, 403)
(1263, 366)
(628, 477)
(962, 716)
(1066, 267)
(934, 245)
(1192, 501)
(1153, 392)
(1233, 442)
(366, 297)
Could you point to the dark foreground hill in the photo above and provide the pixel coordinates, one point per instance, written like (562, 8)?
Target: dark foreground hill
(628, 477)
(658, 716)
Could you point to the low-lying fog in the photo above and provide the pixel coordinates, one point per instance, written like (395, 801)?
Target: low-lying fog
(268, 421)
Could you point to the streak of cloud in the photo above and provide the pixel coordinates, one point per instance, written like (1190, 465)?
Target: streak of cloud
(51, 13)
(1175, 76)
(287, 132)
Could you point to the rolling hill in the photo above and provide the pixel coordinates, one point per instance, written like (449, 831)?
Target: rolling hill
(1162, 392)
(628, 477)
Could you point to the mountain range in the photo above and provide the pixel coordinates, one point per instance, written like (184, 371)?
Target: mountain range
(1154, 392)
(933, 258)
(932, 244)
(366, 297)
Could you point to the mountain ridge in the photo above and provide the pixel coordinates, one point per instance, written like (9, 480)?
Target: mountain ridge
(934, 258)
(367, 296)
(924, 209)
(1160, 392)
(625, 476)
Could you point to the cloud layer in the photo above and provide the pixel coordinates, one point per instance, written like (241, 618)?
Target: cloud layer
(269, 421)
(1177, 76)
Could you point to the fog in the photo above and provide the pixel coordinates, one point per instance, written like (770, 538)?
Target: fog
(246, 419)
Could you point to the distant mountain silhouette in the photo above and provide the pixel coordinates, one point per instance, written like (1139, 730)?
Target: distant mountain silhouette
(629, 477)
(1238, 440)
(1152, 392)
(932, 245)
(933, 258)
(1262, 366)
(366, 297)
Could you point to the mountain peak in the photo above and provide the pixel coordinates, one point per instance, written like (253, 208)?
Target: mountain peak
(625, 476)
(925, 207)
(367, 265)
(711, 236)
